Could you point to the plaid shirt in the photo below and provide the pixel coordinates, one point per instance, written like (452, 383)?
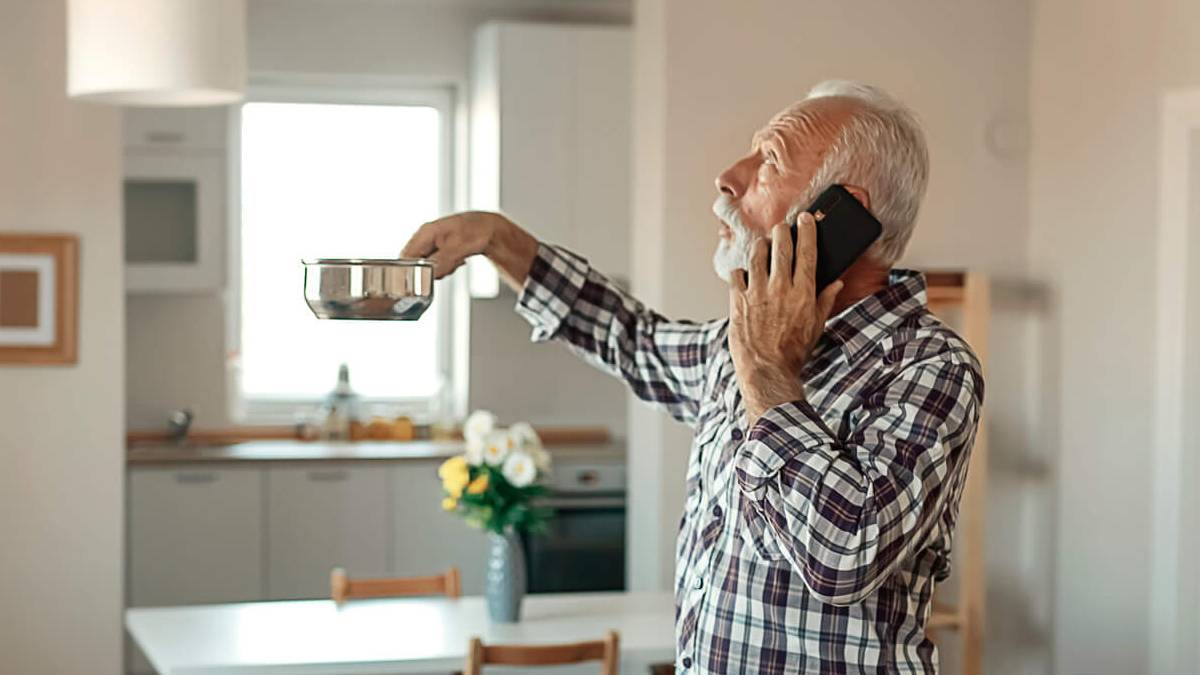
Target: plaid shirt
(811, 541)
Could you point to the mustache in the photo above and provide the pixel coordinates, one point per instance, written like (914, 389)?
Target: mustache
(725, 210)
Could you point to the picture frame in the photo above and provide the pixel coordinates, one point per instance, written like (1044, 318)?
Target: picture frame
(39, 287)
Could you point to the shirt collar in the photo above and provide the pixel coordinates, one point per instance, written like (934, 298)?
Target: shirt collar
(864, 323)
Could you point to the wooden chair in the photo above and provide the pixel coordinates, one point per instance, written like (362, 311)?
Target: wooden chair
(342, 588)
(605, 651)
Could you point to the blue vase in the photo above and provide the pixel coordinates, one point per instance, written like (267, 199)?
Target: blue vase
(505, 577)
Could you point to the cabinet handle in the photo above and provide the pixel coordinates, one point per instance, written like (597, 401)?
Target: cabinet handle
(165, 137)
(194, 477)
(327, 476)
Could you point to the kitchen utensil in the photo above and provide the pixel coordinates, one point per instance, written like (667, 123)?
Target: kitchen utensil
(361, 288)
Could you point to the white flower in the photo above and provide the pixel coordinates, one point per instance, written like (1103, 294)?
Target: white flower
(478, 426)
(524, 437)
(541, 459)
(474, 452)
(496, 447)
(519, 469)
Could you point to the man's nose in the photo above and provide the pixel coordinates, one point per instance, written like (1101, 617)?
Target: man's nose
(729, 184)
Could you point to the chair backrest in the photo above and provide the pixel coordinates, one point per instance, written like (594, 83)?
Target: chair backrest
(342, 588)
(605, 651)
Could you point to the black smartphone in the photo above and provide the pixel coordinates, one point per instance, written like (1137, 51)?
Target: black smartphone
(845, 230)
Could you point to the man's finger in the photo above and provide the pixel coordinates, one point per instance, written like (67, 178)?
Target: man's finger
(422, 243)
(781, 255)
(826, 301)
(444, 262)
(806, 246)
(737, 281)
(759, 251)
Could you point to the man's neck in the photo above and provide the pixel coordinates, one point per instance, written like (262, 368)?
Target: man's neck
(864, 279)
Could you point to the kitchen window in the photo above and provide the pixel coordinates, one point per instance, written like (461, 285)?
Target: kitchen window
(337, 173)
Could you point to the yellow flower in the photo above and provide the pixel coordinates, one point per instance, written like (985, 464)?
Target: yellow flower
(455, 475)
(454, 466)
(478, 485)
(449, 504)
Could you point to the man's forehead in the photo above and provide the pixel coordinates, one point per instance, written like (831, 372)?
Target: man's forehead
(806, 122)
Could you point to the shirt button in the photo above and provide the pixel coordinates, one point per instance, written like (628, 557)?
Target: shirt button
(699, 583)
(687, 662)
(716, 511)
(737, 434)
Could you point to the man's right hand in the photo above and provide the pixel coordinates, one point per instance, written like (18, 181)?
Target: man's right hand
(451, 240)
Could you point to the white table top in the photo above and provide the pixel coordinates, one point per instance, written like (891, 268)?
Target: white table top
(411, 635)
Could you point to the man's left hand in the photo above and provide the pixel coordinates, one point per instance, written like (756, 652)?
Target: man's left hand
(775, 318)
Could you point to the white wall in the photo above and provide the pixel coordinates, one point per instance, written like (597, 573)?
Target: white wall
(419, 41)
(61, 443)
(1094, 202)
(712, 72)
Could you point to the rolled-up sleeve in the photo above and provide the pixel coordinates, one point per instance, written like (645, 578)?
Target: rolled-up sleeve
(848, 510)
(663, 362)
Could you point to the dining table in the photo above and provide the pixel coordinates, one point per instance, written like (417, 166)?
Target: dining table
(391, 635)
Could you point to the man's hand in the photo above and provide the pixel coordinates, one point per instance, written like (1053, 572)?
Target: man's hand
(776, 318)
(451, 240)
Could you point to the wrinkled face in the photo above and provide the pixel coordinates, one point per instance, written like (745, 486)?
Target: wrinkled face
(758, 189)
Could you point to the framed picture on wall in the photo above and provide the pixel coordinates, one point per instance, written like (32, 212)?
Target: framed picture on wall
(38, 291)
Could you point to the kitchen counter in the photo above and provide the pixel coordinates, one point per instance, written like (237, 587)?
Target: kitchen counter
(320, 451)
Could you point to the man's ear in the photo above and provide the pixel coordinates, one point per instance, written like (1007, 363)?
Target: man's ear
(859, 194)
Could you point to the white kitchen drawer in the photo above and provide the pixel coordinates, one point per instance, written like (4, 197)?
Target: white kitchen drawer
(322, 516)
(176, 129)
(426, 539)
(195, 535)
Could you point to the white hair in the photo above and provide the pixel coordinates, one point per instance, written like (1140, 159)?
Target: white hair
(882, 150)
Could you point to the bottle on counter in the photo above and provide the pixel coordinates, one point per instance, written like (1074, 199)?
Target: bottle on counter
(342, 409)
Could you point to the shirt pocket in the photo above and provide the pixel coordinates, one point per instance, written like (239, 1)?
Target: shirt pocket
(758, 537)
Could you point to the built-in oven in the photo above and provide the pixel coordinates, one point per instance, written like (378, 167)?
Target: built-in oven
(584, 549)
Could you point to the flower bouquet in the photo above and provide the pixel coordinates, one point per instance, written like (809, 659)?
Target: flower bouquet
(493, 485)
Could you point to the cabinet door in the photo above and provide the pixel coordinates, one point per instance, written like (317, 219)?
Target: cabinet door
(195, 536)
(321, 517)
(174, 219)
(175, 129)
(426, 539)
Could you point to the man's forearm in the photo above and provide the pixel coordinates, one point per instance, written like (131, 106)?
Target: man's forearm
(512, 250)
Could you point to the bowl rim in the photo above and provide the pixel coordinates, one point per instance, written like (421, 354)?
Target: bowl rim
(364, 262)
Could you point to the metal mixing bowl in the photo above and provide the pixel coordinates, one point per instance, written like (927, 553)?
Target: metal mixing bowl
(358, 288)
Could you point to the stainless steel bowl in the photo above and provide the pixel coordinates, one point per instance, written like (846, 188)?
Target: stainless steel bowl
(356, 288)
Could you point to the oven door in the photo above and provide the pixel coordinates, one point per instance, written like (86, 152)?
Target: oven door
(584, 548)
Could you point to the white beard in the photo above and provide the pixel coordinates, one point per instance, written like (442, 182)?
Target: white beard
(735, 254)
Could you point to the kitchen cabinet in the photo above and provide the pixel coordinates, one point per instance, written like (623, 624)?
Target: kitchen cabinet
(425, 539)
(174, 130)
(551, 134)
(325, 516)
(174, 199)
(195, 535)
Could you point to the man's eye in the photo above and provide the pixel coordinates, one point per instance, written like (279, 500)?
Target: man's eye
(770, 160)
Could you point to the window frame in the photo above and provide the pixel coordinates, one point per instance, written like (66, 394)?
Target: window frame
(453, 293)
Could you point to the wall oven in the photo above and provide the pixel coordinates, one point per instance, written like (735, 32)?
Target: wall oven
(584, 549)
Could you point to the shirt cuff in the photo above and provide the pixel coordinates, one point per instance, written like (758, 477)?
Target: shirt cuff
(780, 434)
(550, 290)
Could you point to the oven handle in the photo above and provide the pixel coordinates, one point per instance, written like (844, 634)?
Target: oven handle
(581, 503)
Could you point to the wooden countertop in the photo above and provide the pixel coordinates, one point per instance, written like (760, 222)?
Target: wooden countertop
(322, 451)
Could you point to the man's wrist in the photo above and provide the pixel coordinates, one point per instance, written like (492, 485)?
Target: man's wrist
(770, 391)
(512, 250)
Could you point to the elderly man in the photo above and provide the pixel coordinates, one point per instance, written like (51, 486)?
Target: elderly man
(832, 430)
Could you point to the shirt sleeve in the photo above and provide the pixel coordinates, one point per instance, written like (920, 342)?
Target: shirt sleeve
(662, 361)
(848, 512)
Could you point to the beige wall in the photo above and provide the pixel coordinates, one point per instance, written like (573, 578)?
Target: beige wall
(61, 427)
(711, 72)
(1095, 188)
